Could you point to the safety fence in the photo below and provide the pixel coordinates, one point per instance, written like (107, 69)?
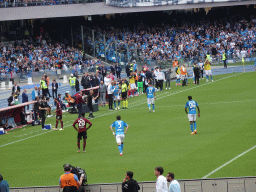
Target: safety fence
(238, 184)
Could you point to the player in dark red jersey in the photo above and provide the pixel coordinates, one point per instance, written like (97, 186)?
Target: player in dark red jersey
(58, 114)
(82, 130)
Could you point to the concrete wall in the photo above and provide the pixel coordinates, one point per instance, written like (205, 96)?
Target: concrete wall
(241, 184)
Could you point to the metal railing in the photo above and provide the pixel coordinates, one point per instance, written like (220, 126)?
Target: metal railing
(197, 185)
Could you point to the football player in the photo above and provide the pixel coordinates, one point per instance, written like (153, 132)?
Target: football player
(192, 105)
(58, 114)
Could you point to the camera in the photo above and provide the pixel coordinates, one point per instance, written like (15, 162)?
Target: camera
(79, 172)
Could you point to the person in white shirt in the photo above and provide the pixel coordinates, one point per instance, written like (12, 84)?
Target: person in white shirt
(161, 79)
(161, 182)
(174, 184)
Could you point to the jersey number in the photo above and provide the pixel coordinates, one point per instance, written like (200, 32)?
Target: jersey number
(192, 105)
(81, 123)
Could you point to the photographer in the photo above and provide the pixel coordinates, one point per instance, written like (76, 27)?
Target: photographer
(68, 181)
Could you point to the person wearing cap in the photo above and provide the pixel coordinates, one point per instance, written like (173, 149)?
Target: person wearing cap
(69, 181)
(4, 185)
(72, 82)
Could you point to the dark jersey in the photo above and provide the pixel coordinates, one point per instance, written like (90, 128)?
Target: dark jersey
(82, 124)
(58, 109)
(89, 100)
(43, 104)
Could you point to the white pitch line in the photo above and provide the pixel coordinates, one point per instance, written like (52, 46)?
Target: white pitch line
(215, 170)
(131, 106)
(24, 139)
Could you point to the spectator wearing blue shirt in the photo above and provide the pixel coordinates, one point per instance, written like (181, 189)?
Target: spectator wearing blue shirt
(174, 184)
(25, 97)
(4, 185)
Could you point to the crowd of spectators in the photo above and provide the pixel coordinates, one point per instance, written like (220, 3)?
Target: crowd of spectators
(25, 58)
(25, 3)
(192, 40)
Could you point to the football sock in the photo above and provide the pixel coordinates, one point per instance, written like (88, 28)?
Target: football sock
(211, 77)
(78, 144)
(56, 124)
(61, 124)
(149, 106)
(191, 127)
(118, 103)
(115, 104)
(195, 125)
(126, 103)
(84, 145)
(120, 148)
(153, 106)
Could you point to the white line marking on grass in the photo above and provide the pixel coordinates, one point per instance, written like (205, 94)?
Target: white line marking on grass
(215, 170)
(24, 139)
(130, 107)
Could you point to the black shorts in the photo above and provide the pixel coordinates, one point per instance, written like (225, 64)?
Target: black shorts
(82, 135)
(59, 117)
(124, 95)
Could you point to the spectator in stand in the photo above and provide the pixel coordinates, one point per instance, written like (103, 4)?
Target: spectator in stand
(55, 87)
(4, 185)
(112, 69)
(25, 98)
(35, 93)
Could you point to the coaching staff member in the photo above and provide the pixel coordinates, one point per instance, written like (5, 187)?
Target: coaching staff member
(129, 184)
(69, 181)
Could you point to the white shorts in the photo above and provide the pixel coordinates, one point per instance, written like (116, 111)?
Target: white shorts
(133, 86)
(117, 98)
(183, 77)
(208, 72)
(178, 76)
(192, 117)
(119, 138)
(151, 101)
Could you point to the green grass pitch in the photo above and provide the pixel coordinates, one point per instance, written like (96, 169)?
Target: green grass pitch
(226, 128)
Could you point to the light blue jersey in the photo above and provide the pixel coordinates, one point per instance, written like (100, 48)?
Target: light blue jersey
(116, 89)
(119, 127)
(150, 92)
(191, 105)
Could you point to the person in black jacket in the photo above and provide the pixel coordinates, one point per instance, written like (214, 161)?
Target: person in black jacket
(16, 88)
(11, 99)
(129, 184)
(54, 88)
(197, 74)
(77, 86)
(85, 81)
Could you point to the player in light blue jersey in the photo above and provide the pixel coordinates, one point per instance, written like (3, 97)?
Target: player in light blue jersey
(116, 95)
(119, 126)
(192, 105)
(151, 96)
